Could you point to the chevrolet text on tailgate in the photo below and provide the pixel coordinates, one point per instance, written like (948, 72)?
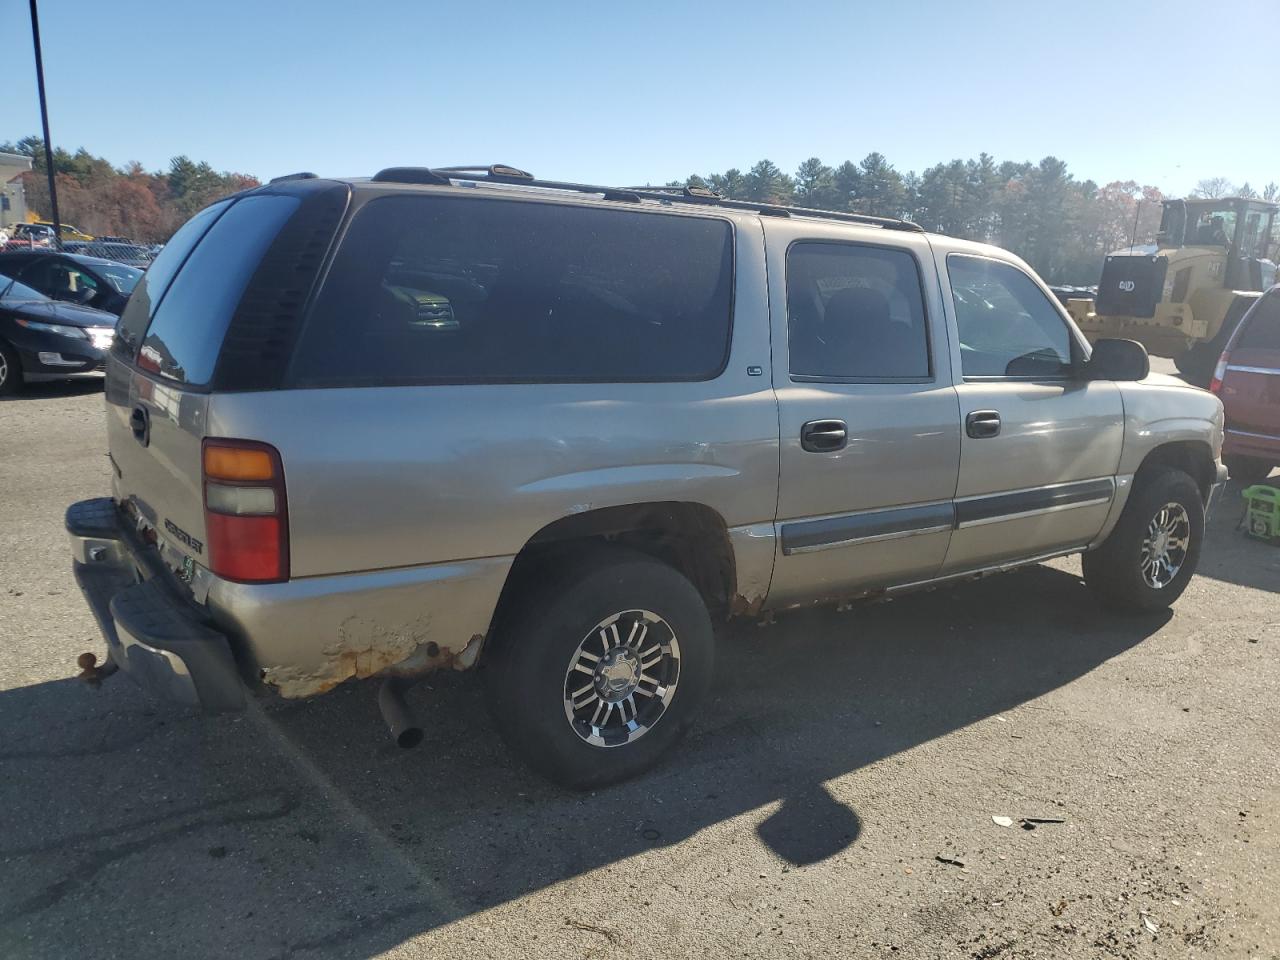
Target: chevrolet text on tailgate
(448, 418)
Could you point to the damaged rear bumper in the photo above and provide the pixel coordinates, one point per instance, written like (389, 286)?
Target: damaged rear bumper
(301, 637)
(153, 634)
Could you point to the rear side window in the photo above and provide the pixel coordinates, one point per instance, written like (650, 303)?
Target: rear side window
(458, 290)
(147, 294)
(855, 313)
(1263, 329)
(187, 328)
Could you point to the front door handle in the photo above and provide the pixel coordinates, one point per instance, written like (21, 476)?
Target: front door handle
(824, 436)
(982, 424)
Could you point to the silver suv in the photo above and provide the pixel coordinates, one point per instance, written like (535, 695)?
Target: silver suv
(448, 418)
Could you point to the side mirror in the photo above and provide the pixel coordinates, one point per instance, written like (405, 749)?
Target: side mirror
(1118, 360)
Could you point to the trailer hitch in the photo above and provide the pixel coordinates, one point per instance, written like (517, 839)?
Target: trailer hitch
(90, 672)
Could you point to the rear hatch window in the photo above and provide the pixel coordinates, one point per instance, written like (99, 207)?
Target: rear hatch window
(148, 293)
(433, 289)
(1262, 330)
(188, 325)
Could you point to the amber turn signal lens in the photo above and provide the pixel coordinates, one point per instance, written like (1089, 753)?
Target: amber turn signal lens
(237, 463)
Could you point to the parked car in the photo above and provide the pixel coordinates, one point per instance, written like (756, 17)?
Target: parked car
(1248, 382)
(41, 339)
(644, 412)
(69, 231)
(32, 234)
(75, 278)
(133, 254)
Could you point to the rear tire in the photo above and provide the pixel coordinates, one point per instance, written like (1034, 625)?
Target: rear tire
(1247, 470)
(10, 371)
(573, 691)
(1196, 365)
(1185, 362)
(1151, 555)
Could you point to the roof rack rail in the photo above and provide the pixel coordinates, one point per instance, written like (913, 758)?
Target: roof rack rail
(497, 171)
(409, 175)
(304, 175)
(711, 197)
(699, 196)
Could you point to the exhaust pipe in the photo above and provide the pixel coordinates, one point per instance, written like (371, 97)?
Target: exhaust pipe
(396, 713)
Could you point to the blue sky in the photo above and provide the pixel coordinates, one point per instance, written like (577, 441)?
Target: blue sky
(646, 92)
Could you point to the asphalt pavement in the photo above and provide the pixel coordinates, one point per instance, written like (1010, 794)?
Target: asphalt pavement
(837, 799)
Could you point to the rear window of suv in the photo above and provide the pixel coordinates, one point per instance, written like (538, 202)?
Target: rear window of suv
(1263, 329)
(469, 290)
(188, 325)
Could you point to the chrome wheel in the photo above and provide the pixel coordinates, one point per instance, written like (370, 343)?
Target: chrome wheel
(622, 678)
(4, 369)
(1165, 548)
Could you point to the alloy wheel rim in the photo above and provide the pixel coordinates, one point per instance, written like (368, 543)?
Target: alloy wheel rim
(622, 678)
(4, 368)
(1164, 550)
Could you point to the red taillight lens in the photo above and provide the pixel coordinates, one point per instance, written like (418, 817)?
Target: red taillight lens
(246, 521)
(1219, 372)
(246, 548)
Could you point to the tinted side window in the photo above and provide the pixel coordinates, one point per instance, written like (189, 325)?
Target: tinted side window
(147, 294)
(1008, 327)
(186, 332)
(855, 312)
(1263, 329)
(62, 280)
(459, 290)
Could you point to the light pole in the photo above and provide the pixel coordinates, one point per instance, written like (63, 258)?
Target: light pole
(44, 120)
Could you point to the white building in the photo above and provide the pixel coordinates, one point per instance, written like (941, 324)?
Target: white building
(13, 200)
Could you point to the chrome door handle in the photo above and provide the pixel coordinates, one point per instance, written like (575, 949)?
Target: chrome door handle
(824, 436)
(982, 424)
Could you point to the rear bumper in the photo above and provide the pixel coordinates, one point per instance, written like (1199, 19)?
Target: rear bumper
(153, 634)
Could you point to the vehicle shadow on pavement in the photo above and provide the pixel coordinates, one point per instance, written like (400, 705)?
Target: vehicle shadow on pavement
(301, 830)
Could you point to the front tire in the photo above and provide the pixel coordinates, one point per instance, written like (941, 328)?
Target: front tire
(10, 371)
(599, 670)
(1247, 470)
(1151, 555)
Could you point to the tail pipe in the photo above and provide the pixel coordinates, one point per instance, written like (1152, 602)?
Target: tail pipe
(396, 713)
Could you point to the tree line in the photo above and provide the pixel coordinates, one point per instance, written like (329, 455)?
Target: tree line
(1060, 225)
(127, 201)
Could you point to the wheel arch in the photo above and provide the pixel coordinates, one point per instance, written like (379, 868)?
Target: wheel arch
(691, 537)
(1193, 457)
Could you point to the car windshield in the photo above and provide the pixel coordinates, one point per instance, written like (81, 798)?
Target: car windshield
(11, 289)
(124, 278)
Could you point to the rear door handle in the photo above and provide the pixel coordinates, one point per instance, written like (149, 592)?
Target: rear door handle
(982, 424)
(140, 424)
(824, 436)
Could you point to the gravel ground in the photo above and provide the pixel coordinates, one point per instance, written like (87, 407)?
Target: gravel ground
(848, 765)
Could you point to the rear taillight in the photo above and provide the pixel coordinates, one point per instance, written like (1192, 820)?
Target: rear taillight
(1219, 372)
(246, 523)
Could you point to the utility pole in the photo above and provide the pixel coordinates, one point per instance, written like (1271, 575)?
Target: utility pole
(44, 120)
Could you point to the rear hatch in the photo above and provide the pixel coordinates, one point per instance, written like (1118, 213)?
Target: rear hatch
(208, 315)
(1251, 382)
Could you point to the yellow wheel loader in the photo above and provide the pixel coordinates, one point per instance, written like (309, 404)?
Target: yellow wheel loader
(1184, 297)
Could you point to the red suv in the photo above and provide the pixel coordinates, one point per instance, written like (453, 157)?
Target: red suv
(1247, 380)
